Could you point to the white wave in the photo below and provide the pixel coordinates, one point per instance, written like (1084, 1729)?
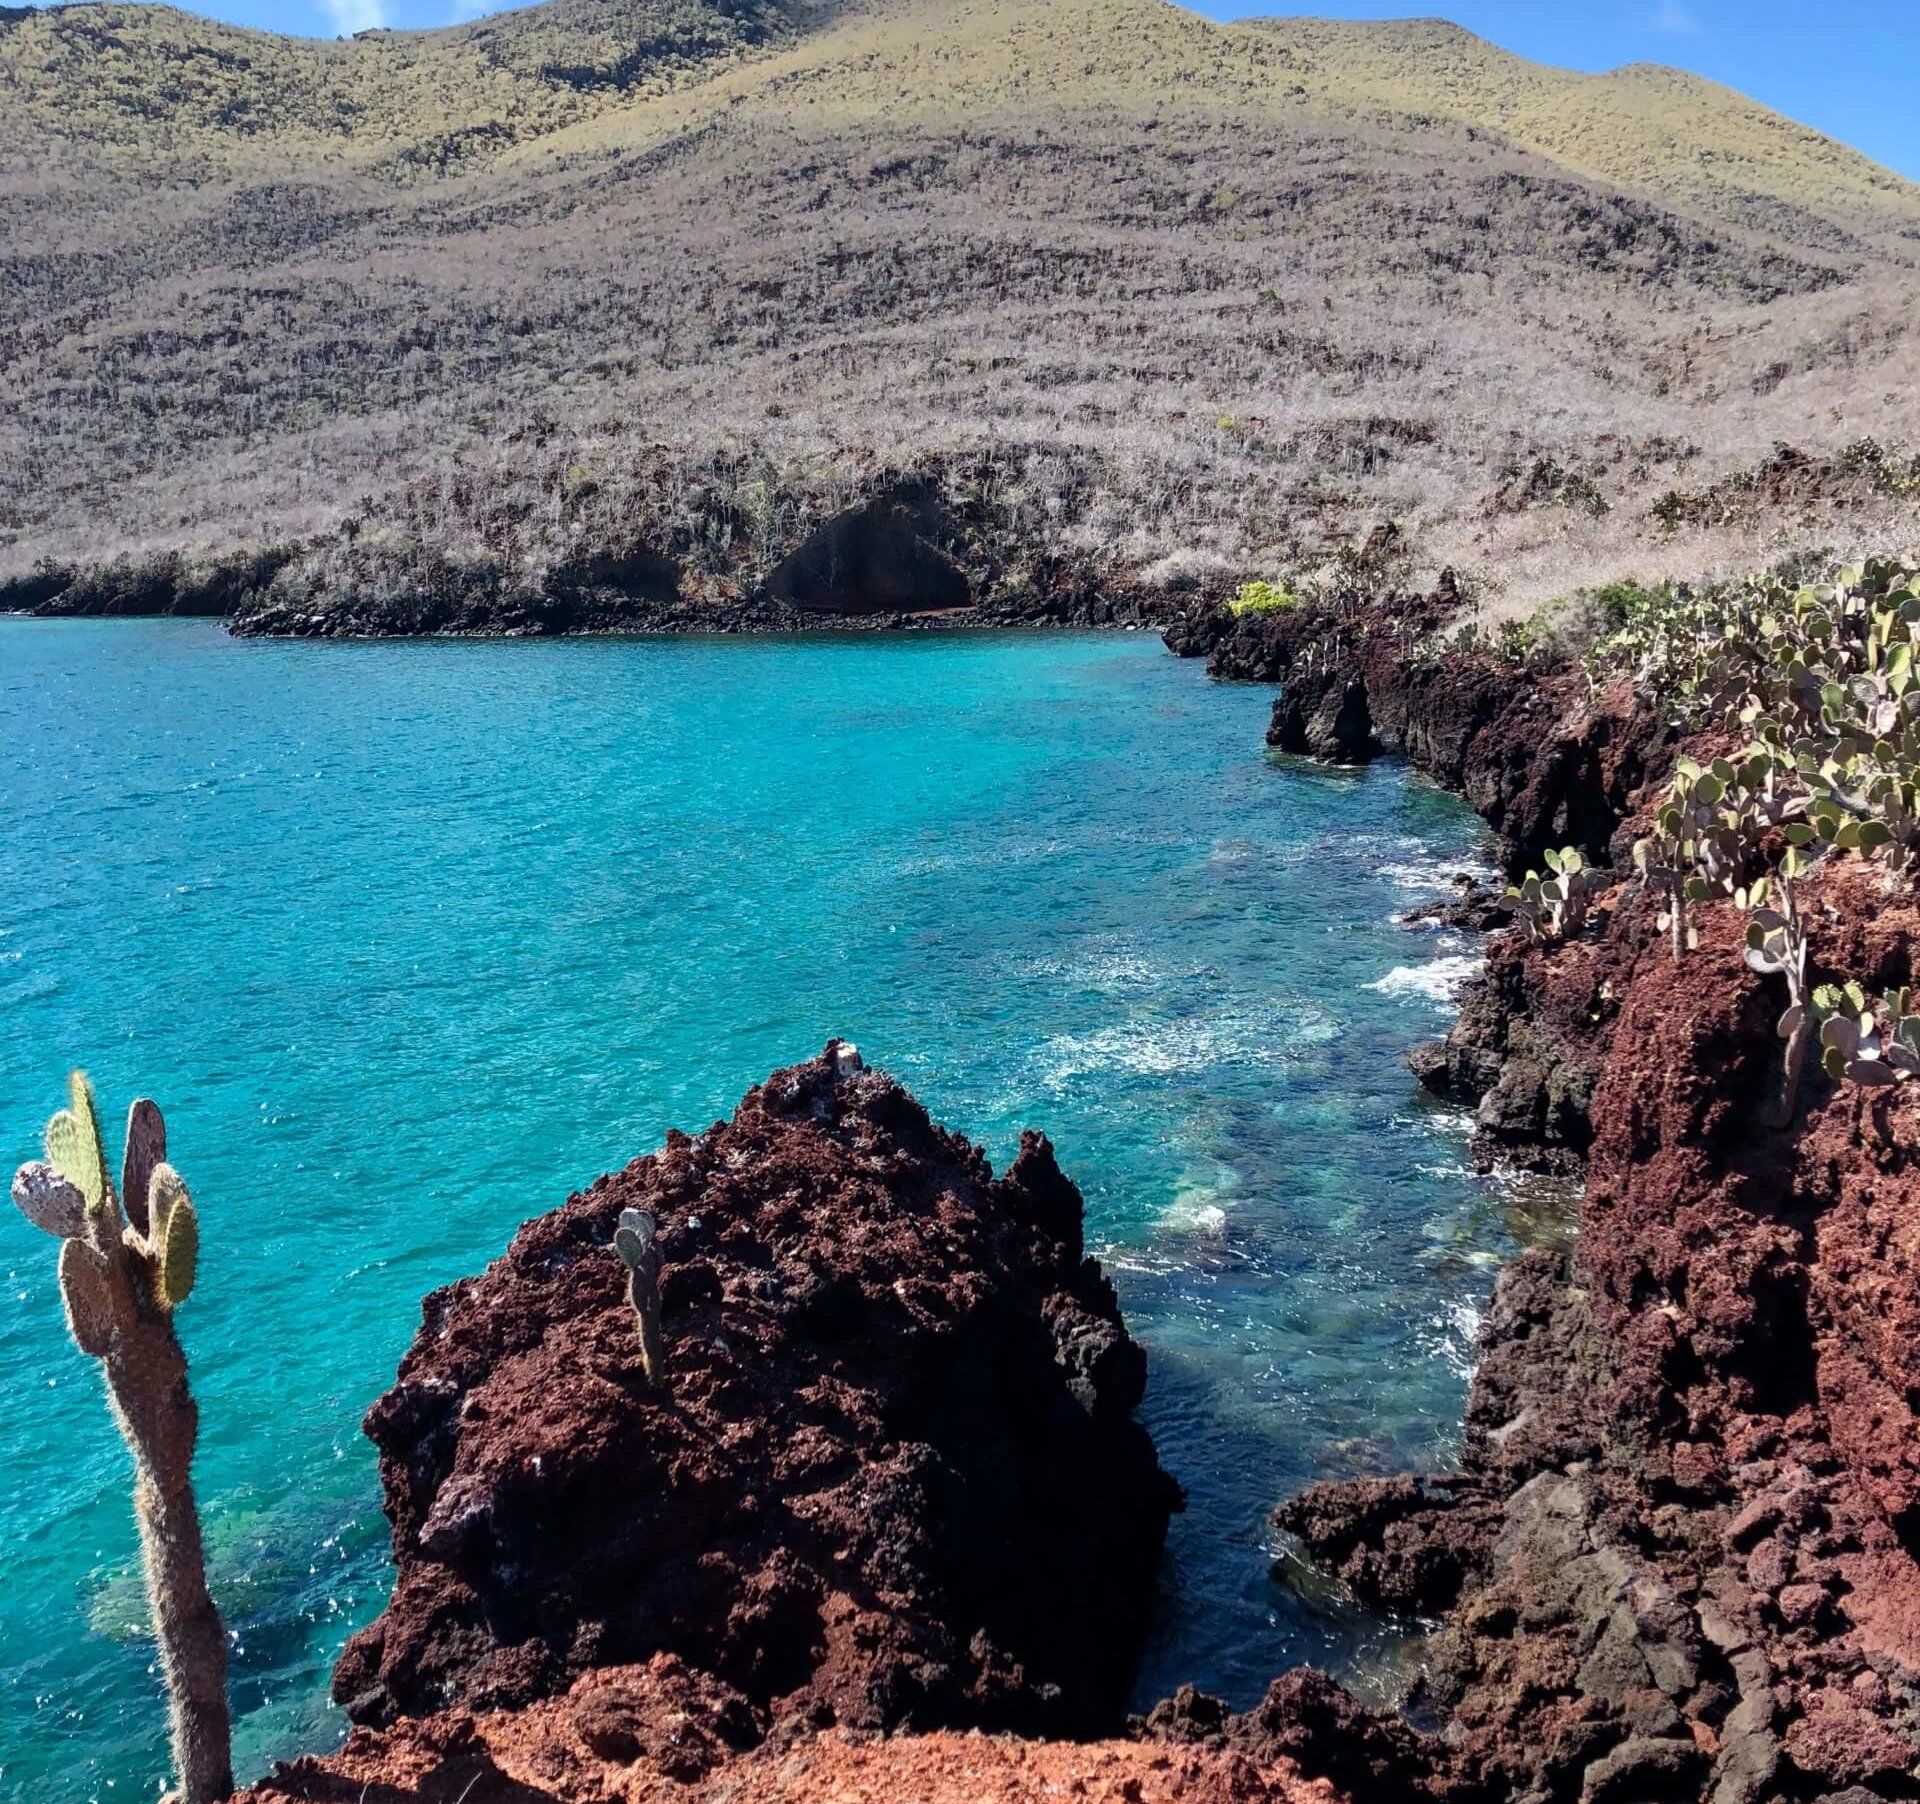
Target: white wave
(1452, 1335)
(1432, 879)
(1194, 1212)
(1256, 1039)
(1438, 980)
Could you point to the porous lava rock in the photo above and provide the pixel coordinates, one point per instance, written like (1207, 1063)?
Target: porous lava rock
(897, 553)
(1306, 1723)
(1326, 718)
(1543, 760)
(1526, 1049)
(1679, 1559)
(891, 1478)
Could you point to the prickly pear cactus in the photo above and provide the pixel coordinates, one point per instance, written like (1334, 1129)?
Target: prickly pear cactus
(120, 1281)
(637, 1242)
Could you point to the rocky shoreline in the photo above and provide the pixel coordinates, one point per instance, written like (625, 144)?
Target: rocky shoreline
(1681, 1556)
(914, 550)
(886, 1520)
(1679, 1559)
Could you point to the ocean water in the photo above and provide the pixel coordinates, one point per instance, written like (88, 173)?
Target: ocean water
(410, 940)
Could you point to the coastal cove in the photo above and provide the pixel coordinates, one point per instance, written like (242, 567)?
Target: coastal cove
(429, 935)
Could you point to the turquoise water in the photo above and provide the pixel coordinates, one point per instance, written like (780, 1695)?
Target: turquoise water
(409, 940)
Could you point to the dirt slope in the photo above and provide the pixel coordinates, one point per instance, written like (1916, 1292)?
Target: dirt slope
(1187, 301)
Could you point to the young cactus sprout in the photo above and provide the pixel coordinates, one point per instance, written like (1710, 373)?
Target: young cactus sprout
(637, 1241)
(121, 1280)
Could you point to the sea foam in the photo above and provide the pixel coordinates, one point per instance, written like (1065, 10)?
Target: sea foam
(1438, 980)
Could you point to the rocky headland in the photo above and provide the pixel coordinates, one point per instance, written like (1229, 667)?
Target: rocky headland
(890, 1481)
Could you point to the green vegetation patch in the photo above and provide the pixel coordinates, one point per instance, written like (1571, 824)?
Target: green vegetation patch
(1254, 599)
(1823, 679)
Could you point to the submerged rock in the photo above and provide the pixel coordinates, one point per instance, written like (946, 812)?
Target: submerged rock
(891, 1478)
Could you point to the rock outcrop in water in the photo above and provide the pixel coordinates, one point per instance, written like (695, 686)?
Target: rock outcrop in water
(892, 1477)
(1681, 1557)
(892, 1481)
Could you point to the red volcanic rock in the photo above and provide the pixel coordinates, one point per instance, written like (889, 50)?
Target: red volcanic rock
(1528, 1045)
(891, 1478)
(540, 1755)
(1681, 1560)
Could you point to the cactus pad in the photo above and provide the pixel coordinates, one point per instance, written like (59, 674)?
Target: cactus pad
(145, 1149)
(177, 1252)
(164, 1188)
(73, 1150)
(46, 1199)
(633, 1240)
(631, 1247)
(86, 1287)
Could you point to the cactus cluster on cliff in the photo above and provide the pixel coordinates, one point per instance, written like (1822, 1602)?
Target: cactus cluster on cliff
(127, 1262)
(1552, 904)
(1825, 680)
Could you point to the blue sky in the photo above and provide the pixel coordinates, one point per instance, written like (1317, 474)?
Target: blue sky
(1849, 67)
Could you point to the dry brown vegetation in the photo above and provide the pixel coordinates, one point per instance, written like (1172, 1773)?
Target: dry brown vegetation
(1168, 301)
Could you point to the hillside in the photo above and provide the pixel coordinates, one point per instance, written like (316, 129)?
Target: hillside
(1162, 301)
(1656, 130)
(152, 89)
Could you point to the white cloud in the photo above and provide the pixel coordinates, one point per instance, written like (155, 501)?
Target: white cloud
(349, 16)
(1674, 19)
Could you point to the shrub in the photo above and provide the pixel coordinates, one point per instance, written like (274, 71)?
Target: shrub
(1251, 600)
(1825, 679)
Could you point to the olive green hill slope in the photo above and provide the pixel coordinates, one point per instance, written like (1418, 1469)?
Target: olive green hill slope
(1655, 129)
(149, 85)
(152, 86)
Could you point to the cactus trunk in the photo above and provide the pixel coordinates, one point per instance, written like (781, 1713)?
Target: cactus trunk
(643, 1290)
(638, 1244)
(160, 1422)
(1794, 969)
(1796, 1062)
